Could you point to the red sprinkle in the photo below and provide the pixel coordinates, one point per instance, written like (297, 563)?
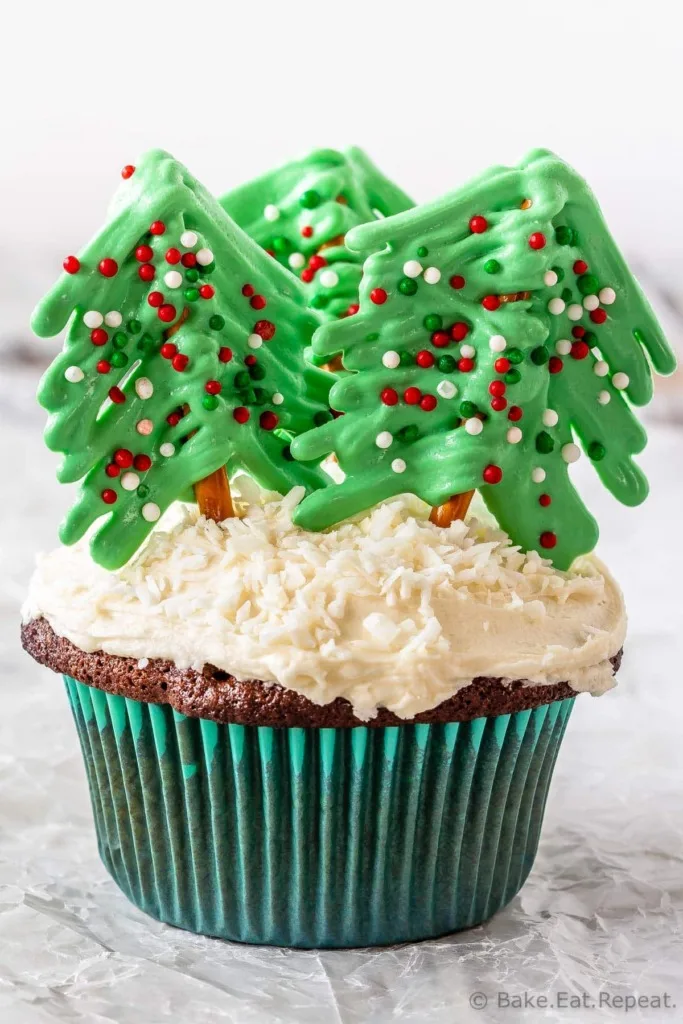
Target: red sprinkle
(116, 395)
(188, 259)
(167, 313)
(146, 272)
(112, 469)
(256, 301)
(179, 362)
(144, 253)
(499, 404)
(378, 296)
(412, 396)
(537, 240)
(497, 388)
(247, 290)
(501, 365)
(598, 316)
(108, 267)
(72, 264)
(492, 474)
(108, 496)
(142, 462)
(213, 387)
(240, 414)
(268, 420)
(265, 329)
(545, 499)
(123, 457)
(555, 364)
(424, 359)
(579, 350)
(173, 419)
(103, 366)
(99, 336)
(316, 262)
(307, 275)
(457, 281)
(225, 355)
(389, 396)
(548, 539)
(465, 365)
(515, 413)
(578, 331)
(157, 228)
(440, 339)
(173, 256)
(580, 267)
(168, 350)
(307, 231)
(128, 171)
(459, 331)
(250, 360)
(478, 224)
(428, 403)
(155, 299)
(490, 302)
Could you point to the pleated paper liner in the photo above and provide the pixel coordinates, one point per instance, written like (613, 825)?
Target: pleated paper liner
(316, 837)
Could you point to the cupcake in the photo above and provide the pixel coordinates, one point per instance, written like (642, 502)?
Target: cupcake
(321, 708)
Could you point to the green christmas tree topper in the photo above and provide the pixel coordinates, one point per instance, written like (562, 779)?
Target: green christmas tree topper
(497, 327)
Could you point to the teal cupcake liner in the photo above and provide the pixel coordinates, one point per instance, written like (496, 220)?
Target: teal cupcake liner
(316, 837)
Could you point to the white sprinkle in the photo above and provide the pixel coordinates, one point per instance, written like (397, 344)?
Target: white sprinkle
(514, 435)
(151, 512)
(412, 268)
(604, 397)
(591, 302)
(74, 374)
(497, 343)
(574, 311)
(571, 452)
(607, 296)
(167, 449)
(538, 475)
(143, 662)
(277, 398)
(254, 341)
(550, 278)
(204, 257)
(446, 389)
(474, 426)
(601, 369)
(563, 347)
(432, 275)
(130, 481)
(144, 427)
(621, 380)
(296, 260)
(173, 279)
(93, 319)
(550, 418)
(271, 212)
(398, 466)
(188, 239)
(144, 387)
(384, 439)
(329, 279)
(556, 306)
(468, 351)
(391, 360)
(113, 318)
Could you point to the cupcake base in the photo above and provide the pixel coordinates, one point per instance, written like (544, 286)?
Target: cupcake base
(316, 837)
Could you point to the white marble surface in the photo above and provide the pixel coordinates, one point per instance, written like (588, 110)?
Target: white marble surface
(601, 912)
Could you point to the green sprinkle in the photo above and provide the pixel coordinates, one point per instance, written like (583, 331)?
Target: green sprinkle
(408, 434)
(446, 364)
(544, 443)
(407, 286)
(588, 284)
(564, 235)
(192, 275)
(260, 396)
(540, 355)
(591, 338)
(146, 343)
(119, 359)
(242, 379)
(134, 326)
(515, 355)
(257, 372)
(492, 267)
(319, 301)
(208, 269)
(216, 322)
(422, 251)
(210, 402)
(281, 244)
(560, 273)
(512, 377)
(406, 359)
(143, 491)
(120, 340)
(322, 417)
(467, 410)
(596, 451)
(566, 294)
(310, 199)
(433, 322)
(191, 294)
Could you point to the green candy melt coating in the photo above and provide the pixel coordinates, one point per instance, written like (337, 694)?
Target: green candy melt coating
(559, 394)
(164, 409)
(306, 207)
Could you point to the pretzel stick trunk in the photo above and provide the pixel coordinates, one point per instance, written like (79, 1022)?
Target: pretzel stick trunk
(455, 508)
(213, 491)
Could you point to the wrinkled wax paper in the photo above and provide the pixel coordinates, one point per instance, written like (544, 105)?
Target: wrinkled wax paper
(602, 911)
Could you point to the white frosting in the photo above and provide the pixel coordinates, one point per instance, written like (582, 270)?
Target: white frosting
(385, 610)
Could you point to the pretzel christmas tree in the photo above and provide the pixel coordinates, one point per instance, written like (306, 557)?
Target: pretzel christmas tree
(301, 212)
(184, 355)
(497, 327)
